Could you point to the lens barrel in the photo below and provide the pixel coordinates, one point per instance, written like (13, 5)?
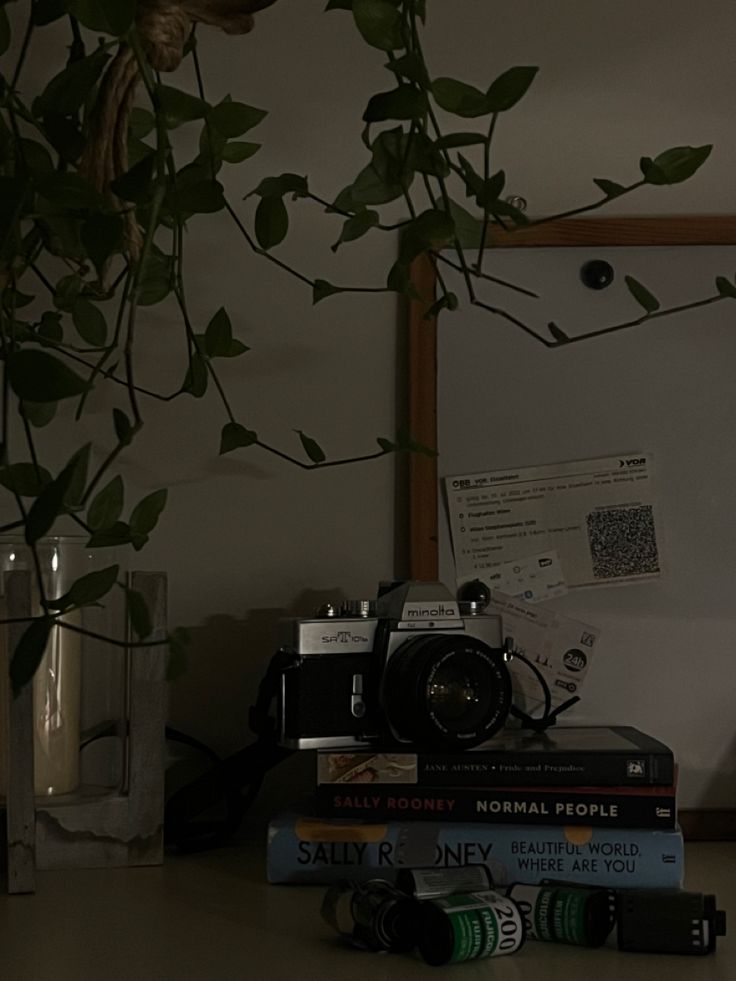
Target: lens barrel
(446, 691)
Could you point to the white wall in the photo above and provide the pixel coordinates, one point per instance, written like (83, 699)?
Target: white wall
(244, 536)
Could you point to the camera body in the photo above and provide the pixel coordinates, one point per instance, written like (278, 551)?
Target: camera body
(414, 667)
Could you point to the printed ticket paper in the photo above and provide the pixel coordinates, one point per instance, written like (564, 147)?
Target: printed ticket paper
(599, 515)
(560, 648)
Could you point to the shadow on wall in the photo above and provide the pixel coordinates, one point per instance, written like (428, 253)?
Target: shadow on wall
(226, 660)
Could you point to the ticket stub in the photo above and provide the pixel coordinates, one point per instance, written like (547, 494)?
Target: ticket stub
(534, 579)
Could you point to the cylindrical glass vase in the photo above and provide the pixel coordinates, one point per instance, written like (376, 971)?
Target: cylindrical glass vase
(57, 683)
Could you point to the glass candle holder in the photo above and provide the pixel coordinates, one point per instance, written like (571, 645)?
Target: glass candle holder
(58, 713)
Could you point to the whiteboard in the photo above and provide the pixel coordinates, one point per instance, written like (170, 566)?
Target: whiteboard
(665, 659)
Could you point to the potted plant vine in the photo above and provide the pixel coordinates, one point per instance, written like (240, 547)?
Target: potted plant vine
(95, 201)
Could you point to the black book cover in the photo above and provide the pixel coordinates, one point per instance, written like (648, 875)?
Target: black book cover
(564, 756)
(602, 807)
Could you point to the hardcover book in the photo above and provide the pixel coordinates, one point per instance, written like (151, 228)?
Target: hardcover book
(304, 849)
(602, 807)
(564, 756)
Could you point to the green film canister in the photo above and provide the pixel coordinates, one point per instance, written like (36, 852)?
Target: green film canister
(468, 926)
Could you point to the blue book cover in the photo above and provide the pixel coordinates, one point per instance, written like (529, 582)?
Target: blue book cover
(306, 849)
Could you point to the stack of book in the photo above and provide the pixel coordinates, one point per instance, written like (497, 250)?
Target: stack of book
(588, 804)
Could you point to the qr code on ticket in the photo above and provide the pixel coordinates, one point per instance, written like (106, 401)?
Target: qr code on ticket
(623, 542)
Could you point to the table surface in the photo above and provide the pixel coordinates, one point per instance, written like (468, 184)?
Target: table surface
(213, 915)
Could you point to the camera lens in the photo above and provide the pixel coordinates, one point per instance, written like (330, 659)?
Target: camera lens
(446, 692)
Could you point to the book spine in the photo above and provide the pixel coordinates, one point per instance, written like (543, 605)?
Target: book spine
(317, 852)
(517, 769)
(568, 770)
(494, 805)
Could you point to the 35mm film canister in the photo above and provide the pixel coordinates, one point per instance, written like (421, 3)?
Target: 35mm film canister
(433, 882)
(466, 926)
(373, 915)
(668, 922)
(564, 915)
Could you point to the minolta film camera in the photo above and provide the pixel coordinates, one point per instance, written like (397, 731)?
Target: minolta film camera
(412, 667)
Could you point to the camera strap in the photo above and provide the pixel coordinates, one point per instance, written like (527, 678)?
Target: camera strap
(230, 785)
(549, 715)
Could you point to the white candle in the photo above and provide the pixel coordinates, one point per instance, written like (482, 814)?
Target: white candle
(56, 711)
(56, 683)
(4, 722)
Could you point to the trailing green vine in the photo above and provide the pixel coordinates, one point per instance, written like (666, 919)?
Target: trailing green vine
(95, 202)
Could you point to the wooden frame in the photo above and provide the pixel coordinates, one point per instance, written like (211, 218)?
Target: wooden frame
(121, 828)
(423, 545)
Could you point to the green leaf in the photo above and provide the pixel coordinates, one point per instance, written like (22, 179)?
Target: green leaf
(509, 88)
(64, 135)
(272, 222)
(610, 188)
(179, 107)
(49, 327)
(424, 157)
(111, 16)
(459, 98)
(725, 287)
(204, 197)
(136, 184)
(71, 190)
(448, 301)
(40, 377)
(277, 187)
(406, 443)
(36, 156)
(67, 91)
(403, 102)
(232, 119)
(235, 153)
(642, 295)
(386, 445)
(322, 289)
(66, 292)
(453, 140)
(155, 279)
(195, 381)
(431, 230)
(78, 465)
(29, 652)
(144, 516)
(234, 436)
(117, 534)
(107, 505)
(557, 333)
(468, 228)
(379, 23)
(141, 123)
(339, 5)
(25, 479)
(47, 506)
(123, 427)
(138, 614)
(90, 323)
(102, 237)
(491, 189)
(311, 447)
(411, 67)
(218, 335)
(675, 165)
(399, 280)
(356, 226)
(372, 187)
(39, 414)
(4, 31)
(47, 11)
(88, 589)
